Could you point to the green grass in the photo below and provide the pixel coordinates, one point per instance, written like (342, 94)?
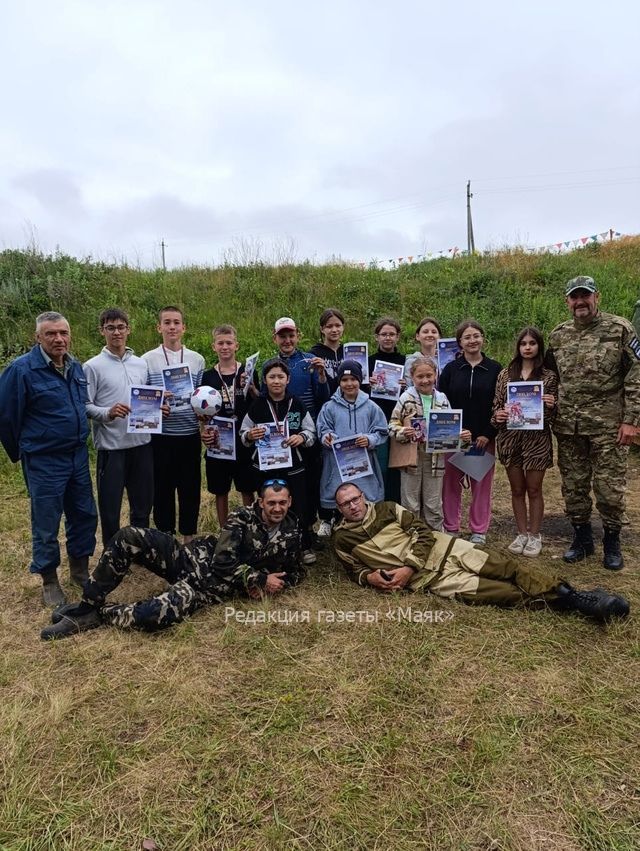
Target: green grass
(511, 730)
(502, 291)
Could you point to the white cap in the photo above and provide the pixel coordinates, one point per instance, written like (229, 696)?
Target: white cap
(285, 323)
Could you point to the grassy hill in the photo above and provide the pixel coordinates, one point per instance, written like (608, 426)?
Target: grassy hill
(483, 730)
(503, 292)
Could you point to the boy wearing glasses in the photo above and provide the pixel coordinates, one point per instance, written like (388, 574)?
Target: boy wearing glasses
(124, 460)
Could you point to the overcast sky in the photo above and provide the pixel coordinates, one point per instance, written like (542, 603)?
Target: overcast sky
(315, 130)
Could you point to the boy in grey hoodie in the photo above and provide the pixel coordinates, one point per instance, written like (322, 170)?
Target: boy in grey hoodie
(124, 460)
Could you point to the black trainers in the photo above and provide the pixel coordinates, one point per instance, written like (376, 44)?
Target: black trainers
(612, 559)
(582, 544)
(596, 603)
(68, 625)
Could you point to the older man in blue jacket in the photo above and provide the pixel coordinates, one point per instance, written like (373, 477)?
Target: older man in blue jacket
(43, 424)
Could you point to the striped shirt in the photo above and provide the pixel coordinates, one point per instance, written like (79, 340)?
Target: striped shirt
(182, 421)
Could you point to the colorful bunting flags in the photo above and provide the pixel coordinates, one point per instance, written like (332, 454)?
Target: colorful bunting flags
(555, 247)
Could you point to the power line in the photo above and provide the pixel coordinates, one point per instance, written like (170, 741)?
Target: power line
(338, 216)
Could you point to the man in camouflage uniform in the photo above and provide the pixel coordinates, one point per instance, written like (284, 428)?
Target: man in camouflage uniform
(597, 358)
(258, 552)
(635, 321)
(385, 546)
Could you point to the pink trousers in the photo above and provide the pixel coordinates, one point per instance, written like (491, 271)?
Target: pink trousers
(481, 492)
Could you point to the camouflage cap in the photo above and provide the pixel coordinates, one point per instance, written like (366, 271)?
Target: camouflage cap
(582, 282)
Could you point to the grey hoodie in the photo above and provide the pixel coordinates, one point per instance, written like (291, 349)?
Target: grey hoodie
(109, 380)
(345, 419)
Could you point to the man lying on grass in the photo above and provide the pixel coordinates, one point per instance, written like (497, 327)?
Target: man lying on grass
(389, 548)
(258, 552)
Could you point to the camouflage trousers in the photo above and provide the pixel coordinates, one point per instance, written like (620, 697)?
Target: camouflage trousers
(595, 459)
(161, 554)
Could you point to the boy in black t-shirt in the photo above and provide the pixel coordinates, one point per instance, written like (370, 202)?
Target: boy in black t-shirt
(228, 378)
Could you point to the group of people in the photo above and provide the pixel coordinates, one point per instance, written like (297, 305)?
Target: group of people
(591, 379)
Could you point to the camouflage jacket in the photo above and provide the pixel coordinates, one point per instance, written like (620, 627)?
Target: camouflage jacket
(245, 554)
(635, 320)
(598, 367)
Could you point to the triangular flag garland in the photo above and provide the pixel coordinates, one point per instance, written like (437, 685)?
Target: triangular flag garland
(562, 247)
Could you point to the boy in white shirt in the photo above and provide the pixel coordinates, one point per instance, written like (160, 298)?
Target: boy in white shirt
(176, 452)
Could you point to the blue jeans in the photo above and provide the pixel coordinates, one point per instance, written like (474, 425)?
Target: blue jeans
(60, 484)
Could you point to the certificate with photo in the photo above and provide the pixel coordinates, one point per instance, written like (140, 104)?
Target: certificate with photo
(387, 380)
(272, 455)
(443, 430)
(223, 431)
(448, 350)
(249, 369)
(177, 380)
(146, 414)
(419, 425)
(525, 406)
(358, 352)
(353, 461)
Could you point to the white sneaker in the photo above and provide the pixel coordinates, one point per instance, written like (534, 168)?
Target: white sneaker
(309, 557)
(533, 546)
(477, 538)
(518, 545)
(324, 529)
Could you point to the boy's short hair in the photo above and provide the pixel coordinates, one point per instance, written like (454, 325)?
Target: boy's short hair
(113, 314)
(170, 308)
(224, 329)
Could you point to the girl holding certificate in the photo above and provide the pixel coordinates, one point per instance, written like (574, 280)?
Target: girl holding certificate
(330, 349)
(526, 454)
(350, 413)
(421, 484)
(387, 333)
(469, 382)
(296, 430)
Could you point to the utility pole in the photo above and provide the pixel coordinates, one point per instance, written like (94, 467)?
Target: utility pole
(164, 262)
(471, 246)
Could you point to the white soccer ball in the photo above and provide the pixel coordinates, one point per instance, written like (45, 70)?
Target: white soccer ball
(206, 401)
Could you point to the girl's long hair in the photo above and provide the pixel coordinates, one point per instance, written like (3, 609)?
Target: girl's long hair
(515, 365)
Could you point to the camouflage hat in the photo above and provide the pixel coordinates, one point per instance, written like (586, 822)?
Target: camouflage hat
(582, 282)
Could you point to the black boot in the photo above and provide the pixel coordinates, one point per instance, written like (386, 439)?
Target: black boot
(79, 569)
(612, 553)
(582, 544)
(52, 593)
(68, 625)
(71, 610)
(596, 603)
